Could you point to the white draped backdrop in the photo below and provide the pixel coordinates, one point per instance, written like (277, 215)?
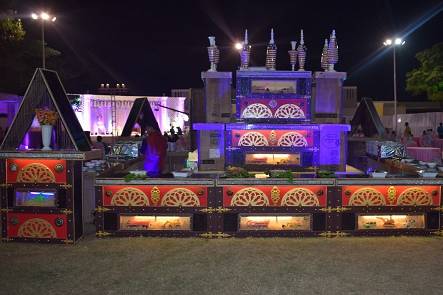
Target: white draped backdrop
(96, 112)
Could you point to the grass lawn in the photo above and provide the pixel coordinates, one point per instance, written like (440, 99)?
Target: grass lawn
(229, 266)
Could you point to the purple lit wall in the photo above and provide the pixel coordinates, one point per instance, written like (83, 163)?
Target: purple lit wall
(333, 143)
(9, 104)
(328, 92)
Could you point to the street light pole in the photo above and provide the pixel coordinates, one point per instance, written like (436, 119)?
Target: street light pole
(395, 93)
(43, 45)
(43, 17)
(394, 43)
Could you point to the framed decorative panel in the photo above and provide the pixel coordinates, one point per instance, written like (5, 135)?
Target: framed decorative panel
(391, 196)
(275, 138)
(274, 86)
(155, 222)
(281, 108)
(276, 196)
(392, 221)
(25, 197)
(155, 196)
(30, 225)
(285, 222)
(36, 171)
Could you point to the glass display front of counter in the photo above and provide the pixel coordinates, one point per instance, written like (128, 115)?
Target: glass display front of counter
(154, 222)
(272, 159)
(275, 222)
(394, 221)
(35, 198)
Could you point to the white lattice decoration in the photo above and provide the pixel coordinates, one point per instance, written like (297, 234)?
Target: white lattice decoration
(180, 197)
(249, 197)
(256, 111)
(289, 111)
(129, 196)
(300, 197)
(414, 197)
(292, 139)
(253, 138)
(36, 228)
(367, 197)
(35, 173)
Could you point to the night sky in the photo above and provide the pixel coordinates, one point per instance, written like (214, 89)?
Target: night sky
(154, 46)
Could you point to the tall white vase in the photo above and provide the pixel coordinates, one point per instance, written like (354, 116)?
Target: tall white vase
(46, 136)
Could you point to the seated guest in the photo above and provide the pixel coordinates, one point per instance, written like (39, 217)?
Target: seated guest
(431, 133)
(387, 134)
(425, 140)
(407, 132)
(440, 131)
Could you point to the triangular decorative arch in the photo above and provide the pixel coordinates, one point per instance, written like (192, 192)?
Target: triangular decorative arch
(367, 117)
(142, 114)
(46, 90)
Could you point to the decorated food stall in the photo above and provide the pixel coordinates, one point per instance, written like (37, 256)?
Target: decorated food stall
(276, 166)
(279, 168)
(42, 189)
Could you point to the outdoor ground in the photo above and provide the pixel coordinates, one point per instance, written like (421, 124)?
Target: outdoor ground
(229, 266)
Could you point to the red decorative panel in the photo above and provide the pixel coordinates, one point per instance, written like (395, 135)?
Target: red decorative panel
(29, 225)
(391, 196)
(36, 171)
(155, 196)
(282, 195)
(288, 138)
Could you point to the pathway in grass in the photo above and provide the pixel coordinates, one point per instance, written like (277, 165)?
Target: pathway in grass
(230, 266)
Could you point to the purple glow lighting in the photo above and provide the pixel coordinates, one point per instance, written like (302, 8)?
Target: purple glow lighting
(208, 126)
(244, 126)
(333, 143)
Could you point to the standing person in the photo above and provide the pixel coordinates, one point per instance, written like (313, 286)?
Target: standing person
(154, 149)
(407, 133)
(393, 136)
(166, 136)
(440, 131)
(100, 145)
(174, 136)
(179, 131)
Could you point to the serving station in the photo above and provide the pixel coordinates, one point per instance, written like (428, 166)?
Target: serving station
(153, 207)
(276, 167)
(42, 189)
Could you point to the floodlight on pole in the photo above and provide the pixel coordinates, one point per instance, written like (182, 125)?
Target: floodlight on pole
(397, 42)
(43, 16)
(238, 46)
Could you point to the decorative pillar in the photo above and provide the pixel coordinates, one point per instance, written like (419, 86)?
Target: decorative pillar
(217, 96)
(328, 97)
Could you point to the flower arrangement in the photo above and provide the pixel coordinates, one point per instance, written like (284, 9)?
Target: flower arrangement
(46, 117)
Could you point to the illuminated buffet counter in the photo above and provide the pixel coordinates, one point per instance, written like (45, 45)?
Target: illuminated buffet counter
(43, 195)
(242, 207)
(152, 207)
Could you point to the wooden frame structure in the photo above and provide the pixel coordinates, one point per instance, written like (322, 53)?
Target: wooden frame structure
(41, 191)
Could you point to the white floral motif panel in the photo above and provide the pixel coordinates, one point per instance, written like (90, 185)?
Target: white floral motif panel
(253, 138)
(292, 139)
(289, 111)
(256, 110)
